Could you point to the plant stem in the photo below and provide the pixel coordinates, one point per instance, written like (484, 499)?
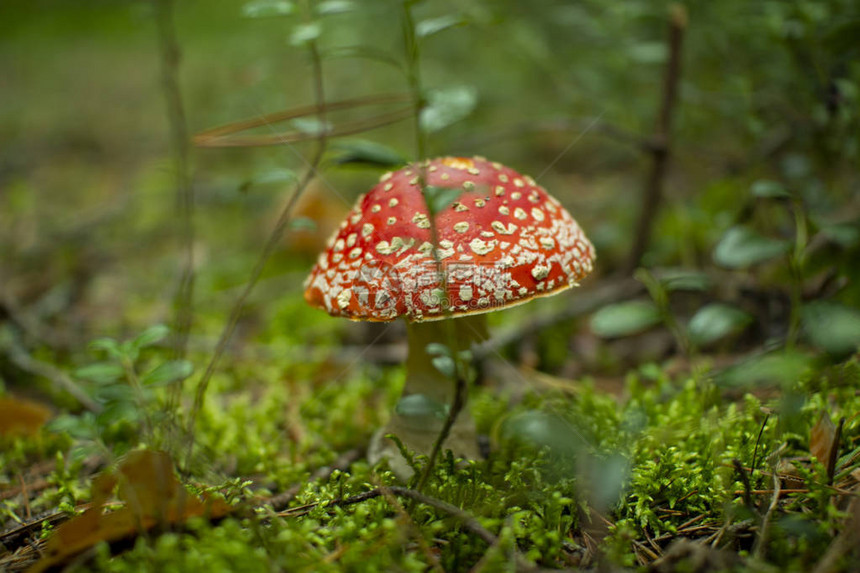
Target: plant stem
(660, 147)
(170, 56)
(272, 243)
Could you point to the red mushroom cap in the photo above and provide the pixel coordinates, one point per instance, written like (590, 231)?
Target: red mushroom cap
(503, 241)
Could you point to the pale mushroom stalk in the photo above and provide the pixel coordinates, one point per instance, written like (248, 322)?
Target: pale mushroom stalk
(428, 393)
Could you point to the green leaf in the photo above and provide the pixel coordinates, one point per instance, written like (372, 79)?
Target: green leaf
(81, 427)
(716, 321)
(832, 327)
(435, 25)
(766, 189)
(776, 368)
(108, 345)
(363, 152)
(742, 247)
(304, 34)
(302, 224)
(151, 335)
(418, 407)
(624, 318)
(648, 52)
(448, 106)
(101, 372)
(168, 373)
(445, 365)
(846, 235)
(438, 198)
(542, 429)
(116, 412)
(267, 8)
(311, 125)
(437, 349)
(334, 7)
(276, 175)
(684, 279)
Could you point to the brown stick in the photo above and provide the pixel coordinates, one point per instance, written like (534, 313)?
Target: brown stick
(653, 192)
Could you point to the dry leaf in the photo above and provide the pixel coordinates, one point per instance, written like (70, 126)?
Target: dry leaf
(21, 417)
(152, 495)
(821, 438)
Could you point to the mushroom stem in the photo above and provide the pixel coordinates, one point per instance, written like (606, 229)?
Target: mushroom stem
(428, 395)
(422, 377)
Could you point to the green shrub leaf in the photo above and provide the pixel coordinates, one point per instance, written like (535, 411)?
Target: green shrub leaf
(716, 321)
(624, 318)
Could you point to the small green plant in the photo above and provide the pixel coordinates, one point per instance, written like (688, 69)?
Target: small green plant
(127, 388)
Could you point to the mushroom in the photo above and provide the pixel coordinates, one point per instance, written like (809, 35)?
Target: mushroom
(502, 240)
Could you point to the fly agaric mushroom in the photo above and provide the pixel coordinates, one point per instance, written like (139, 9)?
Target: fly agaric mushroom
(500, 241)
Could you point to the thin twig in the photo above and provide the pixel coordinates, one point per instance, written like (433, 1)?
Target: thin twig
(456, 407)
(747, 488)
(19, 356)
(342, 463)
(764, 530)
(218, 136)
(661, 141)
(468, 521)
(757, 441)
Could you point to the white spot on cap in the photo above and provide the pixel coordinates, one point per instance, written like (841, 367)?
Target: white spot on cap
(459, 207)
(537, 214)
(391, 220)
(503, 209)
(474, 170)
(421, 221)
(376, 209)
(466, 293)
(516, 195)
(540, 272)
(487, 234)
(500, 228)
(503, 178)
(355, 253)
(461, 227)
(481, 247)
(386, 248)
(479, 202)
(520, 214)
(343, 298)
(393, 202)
(366, 229)
(388, 186)
(468, 185)
(350, 240)
(547, 242)
(338, 245)
(519, 182)
(499, 190)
